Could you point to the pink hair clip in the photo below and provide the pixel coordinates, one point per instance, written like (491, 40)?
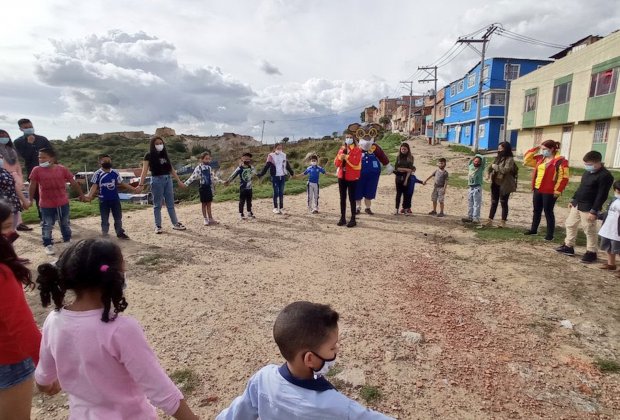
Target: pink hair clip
(104, 268)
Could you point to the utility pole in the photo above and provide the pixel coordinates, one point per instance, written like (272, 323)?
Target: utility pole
(432, 77)
(262, 132)
(484, 40)
(410, 83)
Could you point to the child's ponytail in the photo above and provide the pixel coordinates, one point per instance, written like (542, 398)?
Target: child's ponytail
(112, 284)
(50, 288)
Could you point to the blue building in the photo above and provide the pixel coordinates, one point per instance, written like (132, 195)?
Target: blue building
(461, 101)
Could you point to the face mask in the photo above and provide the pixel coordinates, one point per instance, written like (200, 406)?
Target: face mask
(327, 365)
(278, 152)
(348, 141)
(617, 195)
(589, 168)
(28, 131)
(247, 162)
(313, 163)
(365, 144)
(159, 147)
(4, 140)
(546, 153)
(44, 164)
(106, 165)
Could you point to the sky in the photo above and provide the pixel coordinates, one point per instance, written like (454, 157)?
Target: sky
(307, 67)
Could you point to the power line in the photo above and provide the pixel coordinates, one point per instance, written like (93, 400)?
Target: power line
(528, 40)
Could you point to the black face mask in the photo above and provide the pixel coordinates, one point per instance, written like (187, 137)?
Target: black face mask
(106, 165)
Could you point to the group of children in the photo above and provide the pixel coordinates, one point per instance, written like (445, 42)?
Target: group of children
(102, 360)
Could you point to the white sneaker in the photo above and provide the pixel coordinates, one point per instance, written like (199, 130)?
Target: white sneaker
(206, 223)
(158, 230)
(179, 226)
(251, 215)
(242, 216)
(49, 250)
(395, 212)
(276, 210)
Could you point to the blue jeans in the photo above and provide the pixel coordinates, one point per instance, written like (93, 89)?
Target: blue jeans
(49, 220)
(474, 201)
(161, 187)
(278, 190)
(11, 375)
(114, 206)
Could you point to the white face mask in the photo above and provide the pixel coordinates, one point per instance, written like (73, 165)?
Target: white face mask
(44, 164)
(617, 195)
(278, 152)
(365, 144)
(313, 163)
(159, 147)
(348, 141)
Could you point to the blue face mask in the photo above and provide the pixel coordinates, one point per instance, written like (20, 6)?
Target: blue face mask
(589, 168)
(4, 140)
(28, 131)
(546, 153)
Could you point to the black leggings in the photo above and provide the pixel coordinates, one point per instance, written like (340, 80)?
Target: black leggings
(497, 198)
(245, 197)
(343, 187)
(544, 202)
(403, 190)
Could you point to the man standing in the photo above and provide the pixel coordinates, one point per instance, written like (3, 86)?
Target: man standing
(586, 204)
(28, 146)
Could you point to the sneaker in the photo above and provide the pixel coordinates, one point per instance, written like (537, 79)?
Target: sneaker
(158, 230)
(251, 215)
(530, 232)
(358, 210)
(488, 223)
(315, 212)
(475, 221)
(408, 211)
(342, 222)
(206, 222)
(213, 222)
(502, 224)
(432, 213)
(242, 216)
(179, 226)
(49, 250)
(280, 211)
(589, 257)
(23, 228)
(368, 211)
(402, 211)
(549, 238)
(352, 223)
(395, 212)
(122, 235)
(276, 210)
(441, 215)
(467, 220)
(566, 250)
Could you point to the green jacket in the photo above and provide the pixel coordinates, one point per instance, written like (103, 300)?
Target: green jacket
(475, 175)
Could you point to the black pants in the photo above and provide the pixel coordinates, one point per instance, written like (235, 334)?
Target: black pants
(403, 191)
(544, 202)
(344, 187)
(497, 198)
(245, 198)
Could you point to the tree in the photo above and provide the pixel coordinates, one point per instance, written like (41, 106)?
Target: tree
(385, 120)
(285, 140)
(335, 134)
(363, 116)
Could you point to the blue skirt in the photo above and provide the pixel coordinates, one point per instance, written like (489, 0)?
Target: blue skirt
(11, 375)
(367, 186)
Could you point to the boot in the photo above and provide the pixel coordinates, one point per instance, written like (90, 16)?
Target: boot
(342, 221)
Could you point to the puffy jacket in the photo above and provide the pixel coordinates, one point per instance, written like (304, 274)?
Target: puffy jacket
(556, 172)
(353, 164)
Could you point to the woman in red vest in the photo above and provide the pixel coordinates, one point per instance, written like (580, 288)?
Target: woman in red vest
(549, 179)
(348, 166)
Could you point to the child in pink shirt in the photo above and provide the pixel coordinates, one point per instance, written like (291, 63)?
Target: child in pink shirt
(100, 359)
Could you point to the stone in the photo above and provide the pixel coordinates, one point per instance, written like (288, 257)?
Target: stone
(566, 324)
(412, 337)
(353, 377)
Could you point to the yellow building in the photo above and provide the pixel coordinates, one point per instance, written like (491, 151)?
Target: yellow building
(573, 101)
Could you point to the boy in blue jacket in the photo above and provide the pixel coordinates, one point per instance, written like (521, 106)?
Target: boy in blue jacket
(313, 171)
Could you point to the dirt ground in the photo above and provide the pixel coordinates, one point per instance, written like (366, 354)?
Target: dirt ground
(489, 312)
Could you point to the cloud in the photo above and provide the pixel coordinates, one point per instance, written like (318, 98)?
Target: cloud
(135, 79)
(269, 68)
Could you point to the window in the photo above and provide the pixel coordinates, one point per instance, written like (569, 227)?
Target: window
(561, 93)
(604, 83)
(485, 73)
(493, 98)
(467, 131)
(538, 133)
(481, 130)
(530, 102)
(467, 105)
(501, 132)
(471, 80)
(511, 71)
(452, 89)
(447, 111)
(601, 130)
(459, 86)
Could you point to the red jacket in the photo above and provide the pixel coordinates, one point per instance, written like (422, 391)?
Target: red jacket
(353, 163)
(19, 336)
(556, 173)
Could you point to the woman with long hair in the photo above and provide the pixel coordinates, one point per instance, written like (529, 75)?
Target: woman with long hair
(503, 176)
(278, 167)
(549, 179)
(19, 336)
(348, 164)
(10, 162)
(162, 172)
